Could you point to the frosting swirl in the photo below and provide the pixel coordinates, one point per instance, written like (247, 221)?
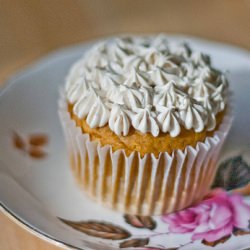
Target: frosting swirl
(146, 82)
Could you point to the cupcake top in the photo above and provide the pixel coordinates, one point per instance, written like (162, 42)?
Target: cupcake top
(148, 83)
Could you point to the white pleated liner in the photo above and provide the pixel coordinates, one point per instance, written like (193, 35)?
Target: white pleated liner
(142, 185)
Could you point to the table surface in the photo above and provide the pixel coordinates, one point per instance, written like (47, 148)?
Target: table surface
(30, 29)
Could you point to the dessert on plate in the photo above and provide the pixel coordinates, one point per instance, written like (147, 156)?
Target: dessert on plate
(144, 119)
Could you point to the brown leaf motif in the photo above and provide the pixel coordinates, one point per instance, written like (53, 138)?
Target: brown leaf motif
(31, 145)
(140, 221)
(98, 229)
(36, 153)
(18, 141)
(215, 243)
(238, 232)
(134, 243)
(38, 139)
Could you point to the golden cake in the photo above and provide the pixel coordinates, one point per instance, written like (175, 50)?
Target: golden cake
(144, 119)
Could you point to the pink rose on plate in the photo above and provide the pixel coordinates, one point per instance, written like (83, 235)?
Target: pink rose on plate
(215, 217)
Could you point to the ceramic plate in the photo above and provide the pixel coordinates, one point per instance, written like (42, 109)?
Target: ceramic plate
(38, 189)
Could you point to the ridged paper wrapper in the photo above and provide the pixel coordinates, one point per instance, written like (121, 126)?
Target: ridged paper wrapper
(145, 185)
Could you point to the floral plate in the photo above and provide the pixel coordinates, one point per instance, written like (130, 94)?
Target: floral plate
(39, 191)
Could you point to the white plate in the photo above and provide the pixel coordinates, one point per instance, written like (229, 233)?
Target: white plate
(38, 191)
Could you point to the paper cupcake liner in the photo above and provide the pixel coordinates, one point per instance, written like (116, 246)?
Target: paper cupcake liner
(142, 185)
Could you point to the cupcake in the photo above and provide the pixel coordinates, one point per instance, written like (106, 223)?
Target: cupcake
(144, 120)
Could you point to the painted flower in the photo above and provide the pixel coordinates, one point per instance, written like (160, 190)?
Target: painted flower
(215, 217)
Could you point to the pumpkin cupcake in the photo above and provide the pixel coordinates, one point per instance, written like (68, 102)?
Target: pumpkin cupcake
(144, 120)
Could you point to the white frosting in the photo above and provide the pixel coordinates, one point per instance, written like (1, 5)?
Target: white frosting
(148, 83)
(119, 121)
